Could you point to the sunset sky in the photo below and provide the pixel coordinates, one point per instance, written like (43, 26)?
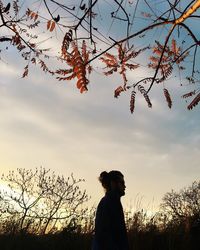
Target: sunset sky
(48, 123)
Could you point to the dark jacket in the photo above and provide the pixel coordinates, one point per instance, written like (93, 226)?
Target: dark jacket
(110, 229)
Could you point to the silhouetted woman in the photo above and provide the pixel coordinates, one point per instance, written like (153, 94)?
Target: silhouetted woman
(110, 229)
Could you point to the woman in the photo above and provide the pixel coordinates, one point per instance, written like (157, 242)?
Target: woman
(110, 229)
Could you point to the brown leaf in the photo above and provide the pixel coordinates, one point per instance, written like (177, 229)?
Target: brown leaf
(76, 61)
(32, 15)
(53, 25)
(168, 98)
(7, 8)
(85, 54)
(5, 39)
(89, 69)
(57, 19)
(194, 102)
(25, 72)
(132, 101)
(33, 60)
(141, 89)
(65, 44)
(48, 24)
(146, 97)
(118, 91)
(132, 66)
(68, 78)
(64, 71)
(28, 12)
(36, 17)
(120, 62)
(83, 89)
(174, 47)
(189, 94)
(110, 56)
(80, 83)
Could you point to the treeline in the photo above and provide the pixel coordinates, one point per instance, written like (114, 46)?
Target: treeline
(41, 210)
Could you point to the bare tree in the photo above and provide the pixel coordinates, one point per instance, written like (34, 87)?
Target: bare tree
(40, 201)
(183, 204)
(62, 201)
(81, 30)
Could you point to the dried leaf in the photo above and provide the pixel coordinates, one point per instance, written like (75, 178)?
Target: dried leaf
(57, 19)
(25, 72)
(132, 101)
(132, 66)
(32, 15)
(64, 71)
(82, 7)
(174, 47)
(83, 89)
(33, 60)
(76, 61)
(15, 7)
(7, 8)
(109, 63)
(5, 39)
(120, 62)
(194, 102)
(48, 24)
(110, 72)
(110, 56)
(44, 67)
(79, 83)
(146, 97)
(28, 12)
(67, 78)
(168, 71)
(171, 55)
(189, 94)
(89, 69)
(36, 17)
(168, 98)
(141, 89)
(65, 44)
(53, 25)
(85, 54)
(118, 91)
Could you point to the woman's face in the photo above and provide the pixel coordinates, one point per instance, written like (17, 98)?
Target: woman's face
(119, 186)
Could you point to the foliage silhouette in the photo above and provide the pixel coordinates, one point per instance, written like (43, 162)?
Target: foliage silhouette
(176, 226)
(38, 201)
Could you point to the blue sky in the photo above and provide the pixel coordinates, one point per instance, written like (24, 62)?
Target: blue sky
(48, 123)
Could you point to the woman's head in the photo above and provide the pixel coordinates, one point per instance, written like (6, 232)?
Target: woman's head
(113, 180)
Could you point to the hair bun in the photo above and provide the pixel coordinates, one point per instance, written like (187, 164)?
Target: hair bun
(104, 175)
(104, 179)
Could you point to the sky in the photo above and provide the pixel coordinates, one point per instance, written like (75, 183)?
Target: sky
(48, 123)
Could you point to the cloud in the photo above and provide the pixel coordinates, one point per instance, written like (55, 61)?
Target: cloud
(49, 123)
